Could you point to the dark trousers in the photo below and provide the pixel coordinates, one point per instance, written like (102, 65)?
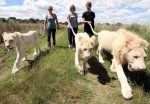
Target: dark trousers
(88, 30)
(71, 36)
(53, 33)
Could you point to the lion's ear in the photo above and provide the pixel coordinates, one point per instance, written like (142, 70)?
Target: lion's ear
(92, 39)
(16, 34)
(4, 33)
(125, 50)
(144, 44)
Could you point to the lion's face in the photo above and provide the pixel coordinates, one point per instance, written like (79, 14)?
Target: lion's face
(87, 48)
(135, 58)
(9, 40)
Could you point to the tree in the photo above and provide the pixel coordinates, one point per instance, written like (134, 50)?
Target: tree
(3, 20)
(11, 19)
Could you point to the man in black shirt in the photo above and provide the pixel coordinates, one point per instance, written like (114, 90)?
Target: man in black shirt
(88, 18)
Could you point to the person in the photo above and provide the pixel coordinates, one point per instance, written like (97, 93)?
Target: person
(50, 26)
(72, 20)
(88, 18)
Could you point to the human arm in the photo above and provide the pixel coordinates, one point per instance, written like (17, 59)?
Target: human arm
(45, 22)
(57, 22)
(84, 21)
(68, 20)
(77, 21)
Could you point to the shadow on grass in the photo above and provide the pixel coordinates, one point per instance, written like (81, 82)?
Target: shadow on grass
(140, 78)
(97, 69)
(36, 59)
(106, 55)
(64, 47)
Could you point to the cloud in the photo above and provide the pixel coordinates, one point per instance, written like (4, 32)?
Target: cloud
(2, 2)
(143, 4)
(106, 10)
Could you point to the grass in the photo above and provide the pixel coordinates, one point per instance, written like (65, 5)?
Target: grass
(51, 78)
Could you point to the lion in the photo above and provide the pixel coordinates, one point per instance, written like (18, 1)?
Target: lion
(84, 47)
(126, 48)
(20, 41)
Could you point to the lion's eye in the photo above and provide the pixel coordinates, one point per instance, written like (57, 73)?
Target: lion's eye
(145, 58)
(145, 51)
(11, 40)
(91, 49)
(136, 57)
(85, 49)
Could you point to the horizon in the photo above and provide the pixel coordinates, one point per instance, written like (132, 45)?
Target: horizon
(106, 11)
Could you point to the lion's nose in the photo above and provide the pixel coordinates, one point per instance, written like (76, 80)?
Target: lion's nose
(8, 46)
(88, 57)
(142, 68)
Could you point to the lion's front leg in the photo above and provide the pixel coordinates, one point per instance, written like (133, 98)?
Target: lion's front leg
(125, 87)
(112, 67)
(17, 62)
(77, 63)
(85, 69)
(24, 57)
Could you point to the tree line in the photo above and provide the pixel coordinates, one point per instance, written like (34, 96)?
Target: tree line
(14, 19)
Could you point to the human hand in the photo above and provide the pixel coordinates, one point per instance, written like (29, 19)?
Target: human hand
(70, 26)
(89, 22)
(44, 29)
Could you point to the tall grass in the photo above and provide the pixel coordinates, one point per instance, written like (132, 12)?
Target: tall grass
(15, 26)
(51, 78)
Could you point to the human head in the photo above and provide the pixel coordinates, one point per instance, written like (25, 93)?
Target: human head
(72, 8)
(88, 5)
(50, 8)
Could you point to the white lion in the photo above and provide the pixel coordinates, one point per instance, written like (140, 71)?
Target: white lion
(84, 48)
(20, 41)
(126, 48)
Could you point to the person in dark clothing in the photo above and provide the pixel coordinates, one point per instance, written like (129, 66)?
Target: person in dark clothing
(88, 18)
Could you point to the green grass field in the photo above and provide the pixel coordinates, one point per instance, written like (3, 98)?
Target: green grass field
(51, 78)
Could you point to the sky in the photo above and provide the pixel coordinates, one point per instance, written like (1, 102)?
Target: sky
(106, 11)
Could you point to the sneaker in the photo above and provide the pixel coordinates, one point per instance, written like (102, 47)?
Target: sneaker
(74, 49)
(54, 44)
(49, 45)
(69, 46)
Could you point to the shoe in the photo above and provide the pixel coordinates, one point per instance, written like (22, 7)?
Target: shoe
(49, 45)
(74, 49)
(69, 46)
(54, 44)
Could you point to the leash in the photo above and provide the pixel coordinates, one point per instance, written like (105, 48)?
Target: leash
(93, 30)
(72, 31)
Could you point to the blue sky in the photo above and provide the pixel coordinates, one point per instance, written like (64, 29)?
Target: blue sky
(111, 11)
(14, 2)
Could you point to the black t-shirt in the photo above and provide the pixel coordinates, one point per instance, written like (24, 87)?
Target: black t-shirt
(88, 16)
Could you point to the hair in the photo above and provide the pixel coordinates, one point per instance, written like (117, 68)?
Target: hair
(73, 7)
(50, 7)
(89, 4)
